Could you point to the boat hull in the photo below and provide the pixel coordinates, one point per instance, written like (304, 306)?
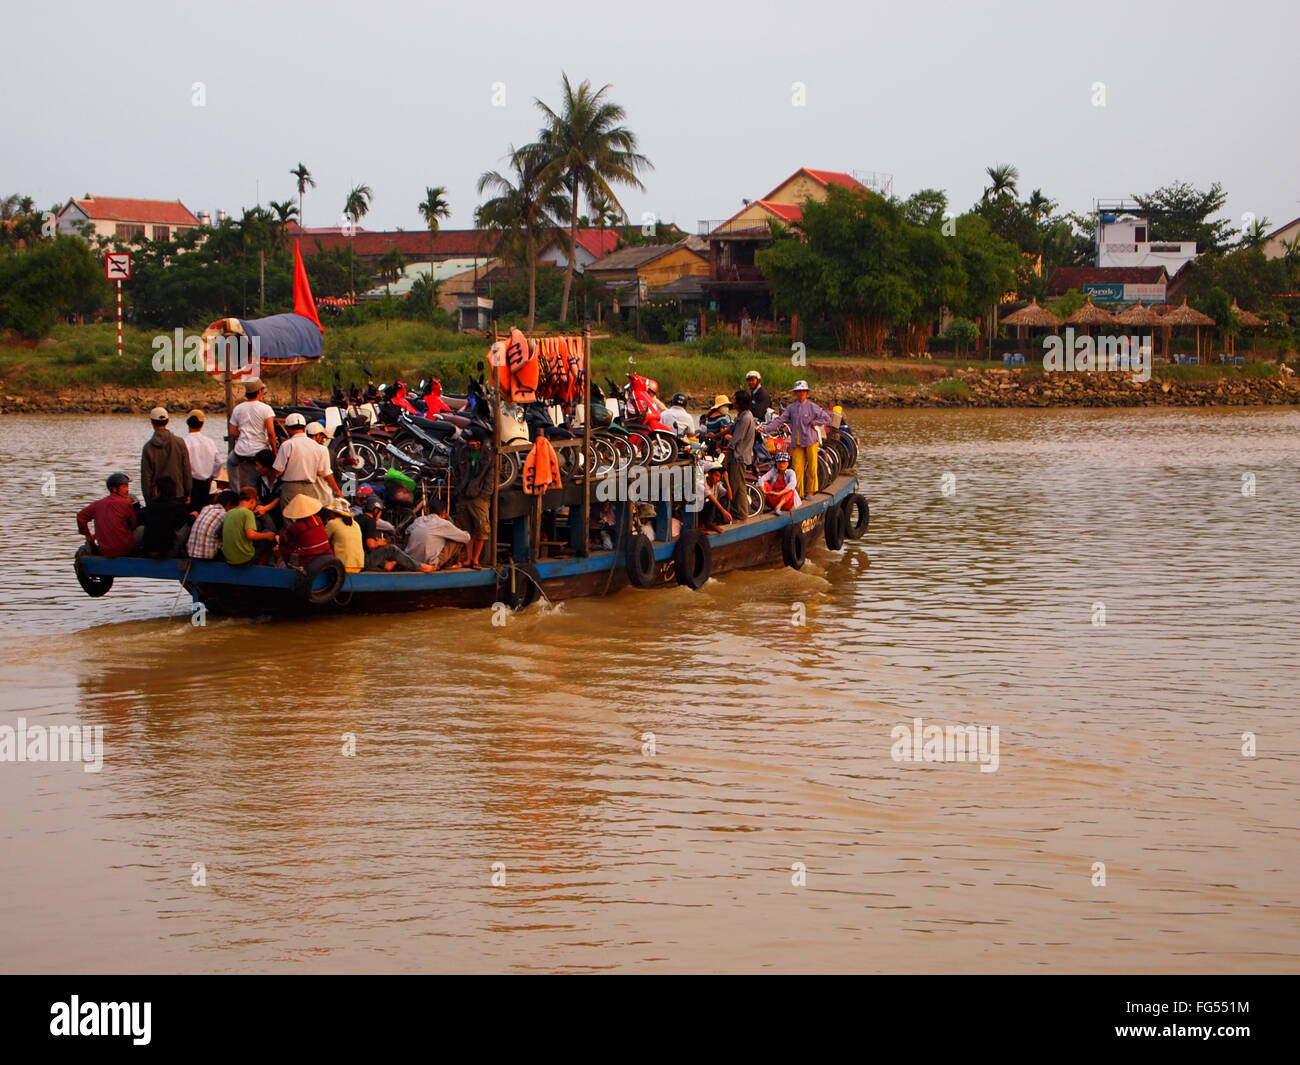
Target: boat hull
(251, 591)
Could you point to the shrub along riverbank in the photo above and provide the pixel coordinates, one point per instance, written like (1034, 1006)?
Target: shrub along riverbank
(77, 370)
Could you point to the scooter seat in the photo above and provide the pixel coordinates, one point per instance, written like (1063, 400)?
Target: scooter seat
(429, 425)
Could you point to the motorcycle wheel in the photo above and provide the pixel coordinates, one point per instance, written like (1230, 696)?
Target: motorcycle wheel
(360, 457)
(756, 501)
(663, 448)
(509, 468)
(641, 448)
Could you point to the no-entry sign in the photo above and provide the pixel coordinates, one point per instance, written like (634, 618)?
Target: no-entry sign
(117, 266)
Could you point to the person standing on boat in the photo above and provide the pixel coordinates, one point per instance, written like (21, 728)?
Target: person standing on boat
(474, 507)
(803, 416)
(114, 520)
(301, 462)
(780, 485)
(252, 428)
(759, 400)
(317, 433)
(205, 462)
(739, 453)
(164, 456)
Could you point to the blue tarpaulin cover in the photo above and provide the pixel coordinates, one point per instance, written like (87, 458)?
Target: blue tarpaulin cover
(285, 336)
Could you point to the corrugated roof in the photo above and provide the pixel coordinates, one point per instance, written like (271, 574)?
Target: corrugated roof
(125, 209)
(636, 256)
(1065, 278)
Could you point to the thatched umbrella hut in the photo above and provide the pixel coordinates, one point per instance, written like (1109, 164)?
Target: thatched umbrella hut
(1247, 320)
(1089, 315)
(1032, 316)
(1140, 317)
(1185, 315)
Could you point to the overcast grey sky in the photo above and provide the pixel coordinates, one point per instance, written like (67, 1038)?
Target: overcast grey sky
(98, 98)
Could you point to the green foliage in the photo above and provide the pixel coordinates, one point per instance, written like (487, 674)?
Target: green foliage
(1181, 212)
(50, 279)
(951, 388)
(718, 341)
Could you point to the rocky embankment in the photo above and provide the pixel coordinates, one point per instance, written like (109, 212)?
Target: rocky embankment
(966, 388)
(1033, 388)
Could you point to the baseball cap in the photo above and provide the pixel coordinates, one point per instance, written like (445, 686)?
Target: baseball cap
(314, 428)
(252, 386)
(753, 373)
(158, 414)
(800, 386)
(294, 419)
(195, 413)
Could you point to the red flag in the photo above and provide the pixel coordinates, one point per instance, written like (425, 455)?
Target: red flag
(303, 304)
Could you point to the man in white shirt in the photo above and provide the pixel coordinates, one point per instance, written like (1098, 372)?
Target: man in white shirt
(205, 461)
(300, 461)
(677, 417)
(316, 431)
(252, 428)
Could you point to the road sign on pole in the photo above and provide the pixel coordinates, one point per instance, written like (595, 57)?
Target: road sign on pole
(117, 267)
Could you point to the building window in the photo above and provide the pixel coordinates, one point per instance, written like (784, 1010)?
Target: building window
(162, 233)
(1140, 234)
(128, 232)
(182, 230)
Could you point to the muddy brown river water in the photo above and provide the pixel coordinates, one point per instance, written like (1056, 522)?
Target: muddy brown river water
(676, 780)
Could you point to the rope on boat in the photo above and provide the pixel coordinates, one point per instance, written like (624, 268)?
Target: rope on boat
(184, 577)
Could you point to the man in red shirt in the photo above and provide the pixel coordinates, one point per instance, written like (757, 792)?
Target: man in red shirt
(304, 536)
(114, 520)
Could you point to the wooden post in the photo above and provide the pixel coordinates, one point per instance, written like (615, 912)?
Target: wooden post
(230, 409)
(294, 389)
(588, 465)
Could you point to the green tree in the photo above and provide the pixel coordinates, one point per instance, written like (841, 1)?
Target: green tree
(52, 278)
(1180, 212)
(587, 150)
(356, 207)
(524, 207)
(926, 208)
(433, 208)
(304, 181)
(1002, 181)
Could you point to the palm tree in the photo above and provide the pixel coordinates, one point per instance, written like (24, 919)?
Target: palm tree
(521, 210)
(285, 212)
(1003, 177)
(587, 148)
(434, 207)
(305, 182)
(1039, 205)
(356, 208)
(605, 215)
(1255, 234)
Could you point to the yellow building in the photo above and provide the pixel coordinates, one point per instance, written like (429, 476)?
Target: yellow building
(784, 203)
(648, 266)
(126, 219)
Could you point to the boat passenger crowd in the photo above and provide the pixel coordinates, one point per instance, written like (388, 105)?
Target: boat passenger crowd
(263, 505)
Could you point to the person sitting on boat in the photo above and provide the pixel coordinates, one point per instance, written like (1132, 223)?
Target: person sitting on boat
(165, 455)
(739, 452)
(474, 505)
(268, 492)
(114, 520)
(242, 543)
(716, 418)
(380, 553)
(252, 428)
(165, 521)
(205, 533)
(303, 536)
(759, 400)
(345, 535)
(677, 417)
(803, 417)
(717, 499)
(780, 485)
(205, 461)
(300, 462)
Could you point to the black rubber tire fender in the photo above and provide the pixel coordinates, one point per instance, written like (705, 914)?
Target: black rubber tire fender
(693, 559)
(92, 586)
(641, 561)
(834, 528)
(332, 568)
(857, 516)
(794, 548)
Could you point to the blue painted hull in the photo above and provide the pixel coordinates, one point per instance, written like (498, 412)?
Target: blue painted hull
(250, 591)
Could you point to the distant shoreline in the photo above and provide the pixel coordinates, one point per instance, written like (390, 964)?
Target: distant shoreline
(973, 388)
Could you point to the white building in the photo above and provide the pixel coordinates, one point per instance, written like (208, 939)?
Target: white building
(1123, 238)
(125, 219)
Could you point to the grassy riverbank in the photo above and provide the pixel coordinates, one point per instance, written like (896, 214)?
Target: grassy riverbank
(78, 369)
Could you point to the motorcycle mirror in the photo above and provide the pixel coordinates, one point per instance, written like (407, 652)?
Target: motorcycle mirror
(368, 371)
